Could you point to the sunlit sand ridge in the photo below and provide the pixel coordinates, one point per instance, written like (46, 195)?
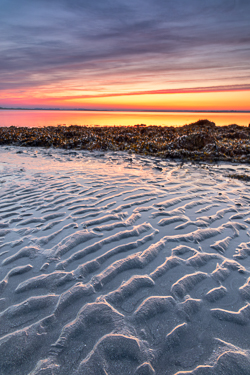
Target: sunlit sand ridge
(122, 264)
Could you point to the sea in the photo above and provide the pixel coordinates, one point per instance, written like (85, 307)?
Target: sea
(40, 118)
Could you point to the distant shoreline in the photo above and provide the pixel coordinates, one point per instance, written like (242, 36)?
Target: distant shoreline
(123, 110)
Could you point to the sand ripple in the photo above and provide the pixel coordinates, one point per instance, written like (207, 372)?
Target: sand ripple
(122, 265)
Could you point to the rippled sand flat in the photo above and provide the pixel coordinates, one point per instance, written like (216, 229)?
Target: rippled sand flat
(113, 263)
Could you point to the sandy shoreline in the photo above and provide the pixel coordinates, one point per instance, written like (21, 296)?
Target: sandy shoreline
(200, 141)
(115, 263)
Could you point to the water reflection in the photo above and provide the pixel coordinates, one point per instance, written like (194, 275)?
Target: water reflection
(40, 118)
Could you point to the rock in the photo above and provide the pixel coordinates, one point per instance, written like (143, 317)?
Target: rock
(194, 141)
(237, 135)
(200, 124)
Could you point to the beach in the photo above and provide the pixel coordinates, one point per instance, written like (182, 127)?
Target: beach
(121, 262)
(125, 187)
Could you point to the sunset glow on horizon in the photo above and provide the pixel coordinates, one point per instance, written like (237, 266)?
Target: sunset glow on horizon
(148, 55)
(203, 101)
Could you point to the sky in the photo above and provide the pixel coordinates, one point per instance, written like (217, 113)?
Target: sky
(125, 54)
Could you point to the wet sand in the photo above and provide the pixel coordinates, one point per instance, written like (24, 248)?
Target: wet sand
(116, 263)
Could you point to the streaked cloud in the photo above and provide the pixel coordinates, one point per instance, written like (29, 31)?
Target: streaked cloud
(116, 47)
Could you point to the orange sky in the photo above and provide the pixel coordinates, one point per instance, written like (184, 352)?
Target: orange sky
(237, 100)
(218, 100)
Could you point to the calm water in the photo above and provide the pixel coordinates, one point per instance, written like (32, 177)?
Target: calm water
(38, 118)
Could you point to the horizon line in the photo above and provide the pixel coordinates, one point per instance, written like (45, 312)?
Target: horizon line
(125, 110)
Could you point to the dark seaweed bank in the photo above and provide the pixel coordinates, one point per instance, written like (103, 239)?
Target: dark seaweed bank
(199, 141)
